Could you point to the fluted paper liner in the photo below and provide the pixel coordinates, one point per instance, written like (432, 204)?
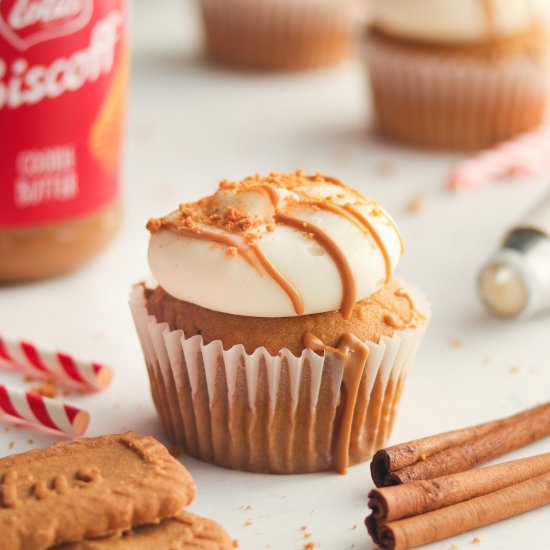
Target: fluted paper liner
(434, 100)
(264, 413)
(279, 34)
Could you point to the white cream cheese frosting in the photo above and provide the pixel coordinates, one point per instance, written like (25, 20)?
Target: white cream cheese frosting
(279, 246)
(458, 21)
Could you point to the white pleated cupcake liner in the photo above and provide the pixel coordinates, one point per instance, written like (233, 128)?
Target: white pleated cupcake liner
(265, 413)
(280, 34)
(454, 102)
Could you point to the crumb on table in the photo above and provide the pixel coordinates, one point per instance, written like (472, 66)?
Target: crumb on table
(415, 204)
(386, 168)
(46, 389)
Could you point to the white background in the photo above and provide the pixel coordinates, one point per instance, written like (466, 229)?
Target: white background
(192, 124)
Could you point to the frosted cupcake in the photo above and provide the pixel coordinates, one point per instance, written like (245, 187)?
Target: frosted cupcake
(279, 34)
(277, 340)
(458, 74)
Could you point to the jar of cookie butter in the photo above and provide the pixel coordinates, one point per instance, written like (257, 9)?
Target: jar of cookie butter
(63, 75)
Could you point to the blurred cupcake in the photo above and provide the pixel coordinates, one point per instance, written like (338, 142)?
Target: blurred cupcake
(277, 340)
(458, 74)
(279, 34)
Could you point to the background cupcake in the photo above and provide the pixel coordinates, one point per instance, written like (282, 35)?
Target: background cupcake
(279, 34)
(277, 340)
(458, 75)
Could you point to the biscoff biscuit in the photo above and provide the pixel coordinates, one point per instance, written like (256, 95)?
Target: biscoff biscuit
(185, 531)
(88, 488)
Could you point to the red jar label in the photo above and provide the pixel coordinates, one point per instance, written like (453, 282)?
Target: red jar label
(63, 74)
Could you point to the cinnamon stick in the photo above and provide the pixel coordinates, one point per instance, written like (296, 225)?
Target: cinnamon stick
(458, 450)
(464, 516)
(419, 497)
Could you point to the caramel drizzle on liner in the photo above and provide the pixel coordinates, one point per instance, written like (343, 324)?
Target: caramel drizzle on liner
(285, 284)
(354, 355)
(349, 287)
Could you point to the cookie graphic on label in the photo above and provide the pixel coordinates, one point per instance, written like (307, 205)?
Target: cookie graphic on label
(105, 138)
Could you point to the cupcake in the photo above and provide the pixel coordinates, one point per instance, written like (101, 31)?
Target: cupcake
(279, 34)
(458, 74)
(277, 339)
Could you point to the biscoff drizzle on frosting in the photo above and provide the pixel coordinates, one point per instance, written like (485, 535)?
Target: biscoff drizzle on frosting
(284, 191)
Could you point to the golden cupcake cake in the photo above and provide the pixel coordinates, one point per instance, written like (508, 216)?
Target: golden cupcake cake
(279, 34)
(458, 74)
(276, 338)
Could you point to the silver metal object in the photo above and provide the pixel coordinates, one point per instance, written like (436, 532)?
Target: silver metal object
(516, 281)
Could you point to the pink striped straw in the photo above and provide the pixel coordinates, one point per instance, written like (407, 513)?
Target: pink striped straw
(527, 154)
(23, 355)
(43, 411)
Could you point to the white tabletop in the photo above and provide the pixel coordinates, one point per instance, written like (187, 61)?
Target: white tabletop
(192, 124)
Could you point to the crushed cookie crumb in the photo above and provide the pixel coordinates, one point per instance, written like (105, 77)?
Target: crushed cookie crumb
(46, 389)
(309, 546)
(270, 228)
(422, 457)
(231, 251)
(153, 225)
(515, 369)
(248, 508)
(415, 205)
(29, 378)
(476, 540)
(247, 523)
(354, 527)
(11, 444)
(30, 441)
(303, 528)
(236, 221)
(307, 535)
(235, 543)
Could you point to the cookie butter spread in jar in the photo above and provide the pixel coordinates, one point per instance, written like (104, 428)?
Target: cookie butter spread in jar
(63, 74)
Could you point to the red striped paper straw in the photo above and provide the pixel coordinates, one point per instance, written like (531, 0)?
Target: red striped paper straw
(57, 365)
(43, 411)
(527, 154)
